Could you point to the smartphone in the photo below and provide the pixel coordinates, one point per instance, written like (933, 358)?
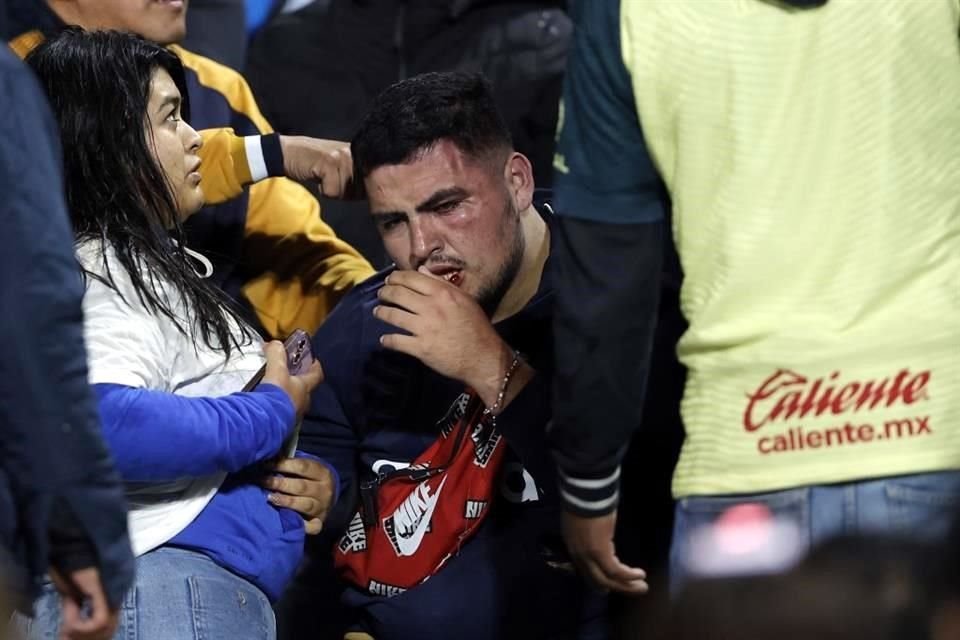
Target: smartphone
(299, 359)
(299, 352)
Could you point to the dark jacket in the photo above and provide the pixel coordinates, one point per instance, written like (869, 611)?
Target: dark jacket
(61, 503)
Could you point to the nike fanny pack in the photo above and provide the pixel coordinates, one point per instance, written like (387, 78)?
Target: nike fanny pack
(412, 520)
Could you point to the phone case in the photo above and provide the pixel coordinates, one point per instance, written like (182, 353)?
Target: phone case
(299, 353)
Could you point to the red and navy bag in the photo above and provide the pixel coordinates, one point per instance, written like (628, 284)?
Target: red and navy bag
(412, 520)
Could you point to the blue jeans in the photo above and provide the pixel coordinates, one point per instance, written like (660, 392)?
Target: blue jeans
(178, 595)
(921, 506)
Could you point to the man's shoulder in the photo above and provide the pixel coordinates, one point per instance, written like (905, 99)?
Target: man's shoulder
(365, 378)
(351, 327)
(363, 297)
(367, 290)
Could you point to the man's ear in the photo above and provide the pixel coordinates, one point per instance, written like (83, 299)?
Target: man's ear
(518, 173)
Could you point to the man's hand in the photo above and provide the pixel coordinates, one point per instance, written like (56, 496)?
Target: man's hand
(306, 486)
(450, 333)
(85, 611)
(590, 543)
(314, 160)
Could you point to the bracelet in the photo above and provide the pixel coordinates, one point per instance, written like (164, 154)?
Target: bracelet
(491, 412)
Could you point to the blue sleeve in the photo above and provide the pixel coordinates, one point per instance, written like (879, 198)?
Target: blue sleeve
(157, 436)
(50, 447)
(602, 169)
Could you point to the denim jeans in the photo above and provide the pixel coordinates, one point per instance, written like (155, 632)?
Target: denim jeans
(921, 506)
(178, 595)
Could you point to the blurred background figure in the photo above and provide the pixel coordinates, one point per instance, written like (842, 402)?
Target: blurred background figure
(62, 508)
(849, 588)
(222, 29)
(945, 579)
(746, 539)
(750, 577)
(218, 30)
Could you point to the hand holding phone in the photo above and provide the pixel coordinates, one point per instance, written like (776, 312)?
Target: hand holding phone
(299, 356)
(293, 369)
(299, 361)
(299, 352)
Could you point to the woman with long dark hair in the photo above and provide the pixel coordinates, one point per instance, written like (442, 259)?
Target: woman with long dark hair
(167, 355)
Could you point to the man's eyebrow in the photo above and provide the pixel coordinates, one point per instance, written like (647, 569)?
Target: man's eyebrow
(438, 197)
(428, 205)
(385, 216)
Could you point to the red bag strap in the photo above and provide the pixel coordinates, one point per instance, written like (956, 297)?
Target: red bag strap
(369, 488)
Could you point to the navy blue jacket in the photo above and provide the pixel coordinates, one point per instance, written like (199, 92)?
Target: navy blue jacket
(61, 502)
(377, 407)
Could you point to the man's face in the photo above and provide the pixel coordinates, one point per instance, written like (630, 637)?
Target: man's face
(455, 216)
(161, 21)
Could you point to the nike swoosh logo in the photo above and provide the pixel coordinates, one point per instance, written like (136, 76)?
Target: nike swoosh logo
(408, 545)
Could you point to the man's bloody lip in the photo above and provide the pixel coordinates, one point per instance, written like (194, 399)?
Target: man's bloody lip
(448, 272)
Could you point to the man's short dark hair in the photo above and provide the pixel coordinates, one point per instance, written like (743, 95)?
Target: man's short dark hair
(414, 114)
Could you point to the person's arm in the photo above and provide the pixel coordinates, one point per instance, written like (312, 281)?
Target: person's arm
(229, 162)
(606, 259)
(51, 445)
(153, 433)
(607, 255)
(302, 268)
(157, 436)
(608, 284)
(299, 269)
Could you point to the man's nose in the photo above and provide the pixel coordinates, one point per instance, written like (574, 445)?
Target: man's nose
(424, 240)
